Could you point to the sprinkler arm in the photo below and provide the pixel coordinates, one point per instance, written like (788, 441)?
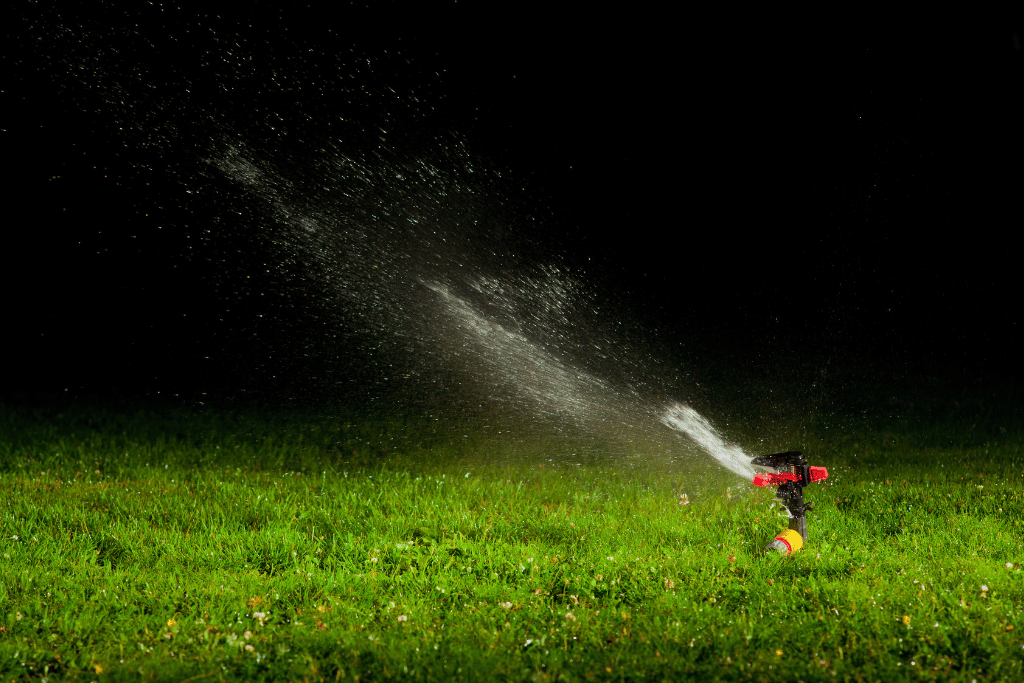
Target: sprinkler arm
(791, 474)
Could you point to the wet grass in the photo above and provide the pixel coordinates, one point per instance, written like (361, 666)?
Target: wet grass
(221, 544)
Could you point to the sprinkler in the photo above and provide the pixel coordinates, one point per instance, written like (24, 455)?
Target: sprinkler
(791, 473)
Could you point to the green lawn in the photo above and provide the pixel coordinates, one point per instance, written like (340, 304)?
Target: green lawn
(217, 544)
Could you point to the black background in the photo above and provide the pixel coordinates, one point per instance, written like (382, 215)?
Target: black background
(832, 189)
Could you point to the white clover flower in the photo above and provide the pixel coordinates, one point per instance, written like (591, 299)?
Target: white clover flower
(569, 616)
(1009, 565)
(247, 635)
(984, 588)
(506, 605)
(403, 617)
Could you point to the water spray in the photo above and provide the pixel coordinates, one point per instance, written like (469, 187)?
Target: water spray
(791, 473)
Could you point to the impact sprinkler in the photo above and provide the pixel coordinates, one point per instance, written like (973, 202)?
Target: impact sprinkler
(791, 473)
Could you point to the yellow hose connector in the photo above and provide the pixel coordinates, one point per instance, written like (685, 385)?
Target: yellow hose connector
(787, 542)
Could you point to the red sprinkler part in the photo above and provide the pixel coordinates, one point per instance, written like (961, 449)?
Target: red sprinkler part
(771, 479)
(816, 474)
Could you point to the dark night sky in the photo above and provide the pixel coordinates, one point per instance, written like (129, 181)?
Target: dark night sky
(856, 189)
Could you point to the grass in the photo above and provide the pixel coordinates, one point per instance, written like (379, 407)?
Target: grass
(207, 544)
